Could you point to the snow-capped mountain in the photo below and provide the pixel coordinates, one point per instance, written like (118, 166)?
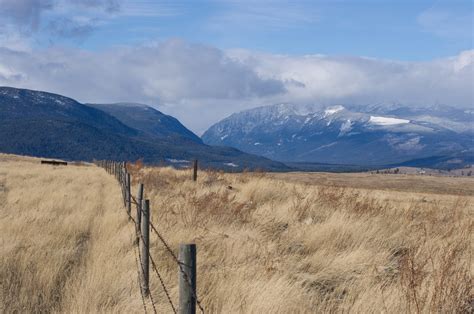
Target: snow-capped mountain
(364, 135)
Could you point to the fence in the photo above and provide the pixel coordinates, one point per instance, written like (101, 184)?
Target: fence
(185, 261)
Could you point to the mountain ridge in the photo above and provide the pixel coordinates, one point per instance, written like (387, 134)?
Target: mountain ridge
(344, 134)
(148, 120)
(44, 124)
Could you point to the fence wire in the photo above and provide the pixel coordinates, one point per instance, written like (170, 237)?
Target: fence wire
(133, 200)
(138, 274)
(180, 265)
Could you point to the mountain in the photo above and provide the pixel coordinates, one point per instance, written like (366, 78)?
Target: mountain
(48, 125)
(346, 135)
(148, 120)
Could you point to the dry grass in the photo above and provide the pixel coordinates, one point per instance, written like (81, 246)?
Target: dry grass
(66, 245)
(389, 182)
(277, 246)
(264, 245)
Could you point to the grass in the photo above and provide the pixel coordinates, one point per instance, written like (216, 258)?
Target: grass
(66, 246)
(265, 244)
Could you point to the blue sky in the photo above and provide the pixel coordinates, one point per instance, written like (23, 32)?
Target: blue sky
(402, 30)
(203, 60)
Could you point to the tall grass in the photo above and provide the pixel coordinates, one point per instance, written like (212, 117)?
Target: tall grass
(264, 245)
(65, 243)
(267, 245)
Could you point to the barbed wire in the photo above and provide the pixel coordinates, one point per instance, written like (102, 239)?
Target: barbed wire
(163, 284)
(137, 249)
(138, 274)
(140, 256)
(180, 265)
(141, 265)
(134, 201)
(140, 236)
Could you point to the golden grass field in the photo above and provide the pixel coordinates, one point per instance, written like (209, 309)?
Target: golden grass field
(272, 243)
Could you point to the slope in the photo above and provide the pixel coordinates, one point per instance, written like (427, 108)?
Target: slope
(344, 135)
(148, 120)
(43, 124)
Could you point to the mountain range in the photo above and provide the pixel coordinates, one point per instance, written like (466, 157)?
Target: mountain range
(351, 135)
(342, 137)
(43, 124)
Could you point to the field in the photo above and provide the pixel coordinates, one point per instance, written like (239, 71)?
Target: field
(267, 243)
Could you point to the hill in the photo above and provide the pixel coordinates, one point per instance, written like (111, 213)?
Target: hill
(43, 124)
(148, 120)
(347, 135)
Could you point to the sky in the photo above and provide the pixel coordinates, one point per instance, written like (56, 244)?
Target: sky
(203, 60)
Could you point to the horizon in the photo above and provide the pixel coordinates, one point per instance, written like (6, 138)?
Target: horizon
(210, 59)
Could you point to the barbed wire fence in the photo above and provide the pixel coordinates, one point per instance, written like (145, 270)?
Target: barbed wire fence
(185, 261)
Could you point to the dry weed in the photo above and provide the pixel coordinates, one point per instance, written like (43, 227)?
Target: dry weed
(264, 245)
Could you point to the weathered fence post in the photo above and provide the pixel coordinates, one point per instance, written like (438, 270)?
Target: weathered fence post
(195, 170)
(128, 194)
(123, 185)
(145, 247)
(139, 206)
(187, 279)
(121, 174)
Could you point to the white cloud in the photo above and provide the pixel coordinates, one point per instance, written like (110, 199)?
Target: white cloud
(327, 79)
(200, 84)
(174, 74)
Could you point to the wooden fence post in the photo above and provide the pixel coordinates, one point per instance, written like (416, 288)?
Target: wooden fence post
(187, 279)
(195, 170)
(128, 184)
(145, 247)
(123, 184)
(119, 172)
(124, 172)
(139, 206)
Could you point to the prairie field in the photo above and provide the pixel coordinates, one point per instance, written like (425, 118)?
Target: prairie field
(267, 243)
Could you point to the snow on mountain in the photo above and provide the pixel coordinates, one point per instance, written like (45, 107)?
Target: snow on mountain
(332, 110)
(387, 121)
(346, 134)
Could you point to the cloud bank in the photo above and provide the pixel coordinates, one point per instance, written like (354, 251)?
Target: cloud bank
(200, 84)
